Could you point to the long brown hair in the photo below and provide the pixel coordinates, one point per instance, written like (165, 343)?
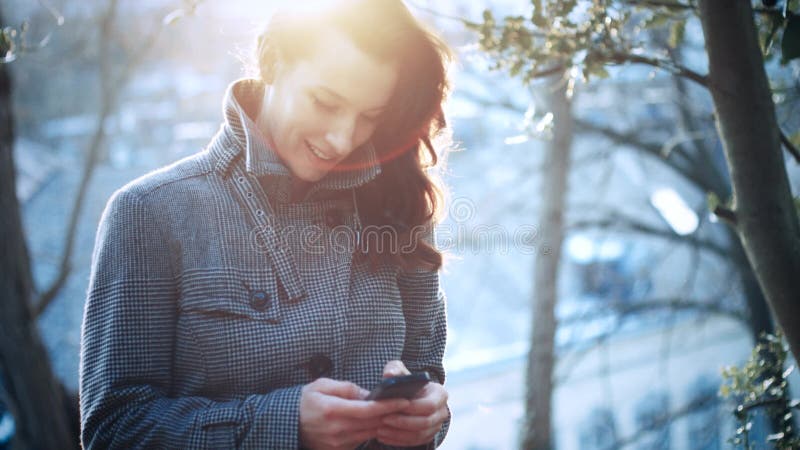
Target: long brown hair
(404, 197)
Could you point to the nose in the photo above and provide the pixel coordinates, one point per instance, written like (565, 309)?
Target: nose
(342, 135)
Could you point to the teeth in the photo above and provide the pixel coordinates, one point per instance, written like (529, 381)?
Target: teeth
(319, 154)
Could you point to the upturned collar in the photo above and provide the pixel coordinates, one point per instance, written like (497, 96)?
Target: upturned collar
(239, 136)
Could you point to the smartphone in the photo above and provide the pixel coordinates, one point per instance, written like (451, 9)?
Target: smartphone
(406, 386)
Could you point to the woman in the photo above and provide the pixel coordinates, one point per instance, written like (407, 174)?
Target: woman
(250, 295)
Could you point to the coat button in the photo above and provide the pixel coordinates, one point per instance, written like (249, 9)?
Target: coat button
(333, 218)
(319, 366)
(259, 300)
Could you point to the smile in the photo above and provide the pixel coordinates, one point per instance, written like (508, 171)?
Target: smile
(318, 153)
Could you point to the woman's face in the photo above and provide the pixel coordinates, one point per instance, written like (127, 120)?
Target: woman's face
(323, 106)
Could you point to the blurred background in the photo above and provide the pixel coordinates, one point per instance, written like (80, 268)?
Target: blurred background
(648, 294)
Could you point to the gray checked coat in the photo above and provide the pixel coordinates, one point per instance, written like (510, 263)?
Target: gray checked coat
(213, 299)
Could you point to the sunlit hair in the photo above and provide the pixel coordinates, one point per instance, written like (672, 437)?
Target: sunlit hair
(404, 196)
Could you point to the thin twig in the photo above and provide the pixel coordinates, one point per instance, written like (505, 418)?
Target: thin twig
(767, 402)
(110, 93)
(619, 222)
(728, 215)
(666, 418)
(650, 148)
(442, 15)
(790, 147)
(619, 308)
(560, 68)
(669, 66)
(662, 4)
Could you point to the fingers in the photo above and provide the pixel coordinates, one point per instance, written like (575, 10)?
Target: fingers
(432, 398)
(362, 424)
(362, 409)
(344, 399)
(341, 389)
(405, 438)
(414, 423)
(395, 368)
(419, 423)
(403, 430)
(341, 441)
(332, 415)
(353, 439)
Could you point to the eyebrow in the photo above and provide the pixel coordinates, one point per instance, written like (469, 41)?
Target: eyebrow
(340, 97)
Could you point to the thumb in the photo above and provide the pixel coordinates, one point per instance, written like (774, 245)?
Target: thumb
(395, 368)
(341, 389)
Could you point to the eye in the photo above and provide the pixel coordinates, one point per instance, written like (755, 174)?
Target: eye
(327, 107)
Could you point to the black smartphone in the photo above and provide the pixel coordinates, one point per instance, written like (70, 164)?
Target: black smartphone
(406, 386)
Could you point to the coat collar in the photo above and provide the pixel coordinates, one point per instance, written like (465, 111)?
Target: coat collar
(239, 136)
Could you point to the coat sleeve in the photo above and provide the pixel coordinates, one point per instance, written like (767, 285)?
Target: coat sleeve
(127, 342)
(426, 325)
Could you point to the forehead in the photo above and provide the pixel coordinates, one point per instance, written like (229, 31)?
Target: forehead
(337, 64)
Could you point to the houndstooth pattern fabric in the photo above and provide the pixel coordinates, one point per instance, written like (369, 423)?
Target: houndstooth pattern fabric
(213, 299)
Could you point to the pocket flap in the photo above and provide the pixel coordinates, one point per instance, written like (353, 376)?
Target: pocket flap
(230, 292)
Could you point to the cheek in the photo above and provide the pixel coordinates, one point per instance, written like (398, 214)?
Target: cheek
(296, 116)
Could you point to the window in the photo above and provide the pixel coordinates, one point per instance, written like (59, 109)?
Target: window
(703, 422)
(598, 431)
(653, 422)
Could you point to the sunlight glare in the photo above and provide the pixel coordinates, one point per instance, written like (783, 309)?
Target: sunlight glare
(580, 248)
(674, 210)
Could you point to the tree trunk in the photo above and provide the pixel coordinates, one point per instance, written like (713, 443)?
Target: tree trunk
(32, 393)
(541, 359)
(766, 220)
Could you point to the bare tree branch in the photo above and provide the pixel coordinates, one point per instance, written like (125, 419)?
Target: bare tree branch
(623, 309)
(677, 6)
(728, 215)
(110, 91)
(652, 149)
(442, 15)
(704, 162)
(669, 66)
(677, 304)
(767, 402)
(693, 406)
(622, 223)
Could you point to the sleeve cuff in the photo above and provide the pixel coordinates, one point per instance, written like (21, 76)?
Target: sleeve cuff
(276, 420)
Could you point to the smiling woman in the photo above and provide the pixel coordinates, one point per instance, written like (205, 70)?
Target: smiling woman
(225, 311)
(321, 108)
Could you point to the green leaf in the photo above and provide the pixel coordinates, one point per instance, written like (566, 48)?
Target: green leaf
(676, 33)
(795, 139)
(790, 44)
(797, 205)
(769, 39)
(713, 201)
(656, 20)
(599, 71)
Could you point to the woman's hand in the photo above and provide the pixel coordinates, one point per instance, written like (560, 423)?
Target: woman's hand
(334, 415)
(417, 423)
